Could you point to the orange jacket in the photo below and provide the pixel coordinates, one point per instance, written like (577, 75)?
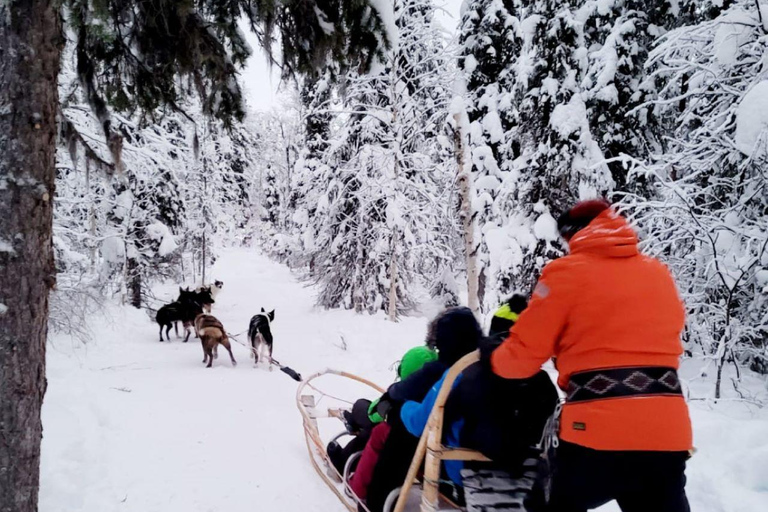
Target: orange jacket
(605, 305)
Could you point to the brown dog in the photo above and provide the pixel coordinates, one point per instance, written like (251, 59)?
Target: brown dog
(212, 333)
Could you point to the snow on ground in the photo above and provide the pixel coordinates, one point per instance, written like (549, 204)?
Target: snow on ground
(132, 424)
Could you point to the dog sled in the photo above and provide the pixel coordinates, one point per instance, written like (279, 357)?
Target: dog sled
(317, 406)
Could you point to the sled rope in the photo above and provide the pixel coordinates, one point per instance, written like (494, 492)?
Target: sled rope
(285, 369)
(550, 435)
(324, 395)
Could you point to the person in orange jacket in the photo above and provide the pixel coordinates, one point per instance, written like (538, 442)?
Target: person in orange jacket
(612, 318)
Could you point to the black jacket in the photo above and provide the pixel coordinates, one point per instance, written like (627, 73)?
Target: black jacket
(417, 385)
(500, 327)
(503, 418)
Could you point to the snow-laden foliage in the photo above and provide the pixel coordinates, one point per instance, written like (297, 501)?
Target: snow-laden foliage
(557, 95)
(278, 148)
(533, 150)
(709, 218)
(370, 192)
(184, 187)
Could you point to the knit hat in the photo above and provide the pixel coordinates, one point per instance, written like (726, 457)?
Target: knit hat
(579, 216)
(414, 360)
(512, 307)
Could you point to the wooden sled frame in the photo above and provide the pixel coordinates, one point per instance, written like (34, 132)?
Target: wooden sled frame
(430, 444)
(315, 445)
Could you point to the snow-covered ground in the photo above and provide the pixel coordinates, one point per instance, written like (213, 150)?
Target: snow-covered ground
(131, 424)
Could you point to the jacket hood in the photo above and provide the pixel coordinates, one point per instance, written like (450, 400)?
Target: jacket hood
(454, 333)
(609, 234)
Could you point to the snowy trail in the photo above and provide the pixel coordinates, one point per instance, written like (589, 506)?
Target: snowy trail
(131, 424)
(137, 425)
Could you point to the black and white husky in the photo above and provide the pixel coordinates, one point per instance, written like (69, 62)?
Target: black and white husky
(213, 289)
(260, 336)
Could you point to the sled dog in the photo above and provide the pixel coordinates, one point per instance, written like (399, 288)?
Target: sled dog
(212, 333)
(184, 310)
(260, 335)
(213, 289)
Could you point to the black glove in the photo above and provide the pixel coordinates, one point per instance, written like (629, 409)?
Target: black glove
(349, 423)
(487, 345)
(384, 406)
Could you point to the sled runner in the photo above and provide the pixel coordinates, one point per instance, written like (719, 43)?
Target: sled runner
(412, 496)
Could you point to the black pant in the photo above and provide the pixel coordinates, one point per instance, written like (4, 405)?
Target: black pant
(340, 455)
(640, 481)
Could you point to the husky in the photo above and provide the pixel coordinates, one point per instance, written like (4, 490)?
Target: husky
(216, 288)
(213, 289)
(205, 297)
(184, 310)
(260, 335)
(212, 334)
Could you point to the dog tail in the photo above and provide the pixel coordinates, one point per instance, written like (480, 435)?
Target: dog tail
(212, 332)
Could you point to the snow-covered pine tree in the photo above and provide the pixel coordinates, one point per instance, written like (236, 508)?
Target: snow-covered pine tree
(710, 217)
(316, 96)
(380, 207)
(135, 216)
(129, 56)
(490, 42)
(217, 191)
(558, 162)
(279, 134)
(618, 35)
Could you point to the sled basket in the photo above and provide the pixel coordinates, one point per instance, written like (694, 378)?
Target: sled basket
(412, 497)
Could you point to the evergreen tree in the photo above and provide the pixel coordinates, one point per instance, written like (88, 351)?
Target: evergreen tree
(129, 56)
(707, 219)
(491, 41)
(378, 209)
(316, 98)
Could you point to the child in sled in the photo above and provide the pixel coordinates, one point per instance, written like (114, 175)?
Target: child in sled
(363, 420)
(454, 333)
(500, 418)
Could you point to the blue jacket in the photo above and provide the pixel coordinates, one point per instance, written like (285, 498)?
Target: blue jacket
(415, 416)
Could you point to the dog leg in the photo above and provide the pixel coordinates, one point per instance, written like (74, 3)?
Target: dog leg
(216, 351)
(168, 333)
(188, 327)
(176, 328)
(269, 349)
(209, 354)
(229, 349)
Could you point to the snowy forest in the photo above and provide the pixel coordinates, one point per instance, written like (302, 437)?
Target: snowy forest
(406, 167)
(439, 172)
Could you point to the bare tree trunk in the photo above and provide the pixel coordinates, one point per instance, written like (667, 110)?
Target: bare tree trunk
(467, 219)
(393, 278)
(134, 282)
(31, 42)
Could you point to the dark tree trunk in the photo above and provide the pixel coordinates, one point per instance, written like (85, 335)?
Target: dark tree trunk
(30, 50)
(134, 282)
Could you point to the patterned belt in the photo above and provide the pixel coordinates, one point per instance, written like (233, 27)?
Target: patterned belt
(623, 382)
